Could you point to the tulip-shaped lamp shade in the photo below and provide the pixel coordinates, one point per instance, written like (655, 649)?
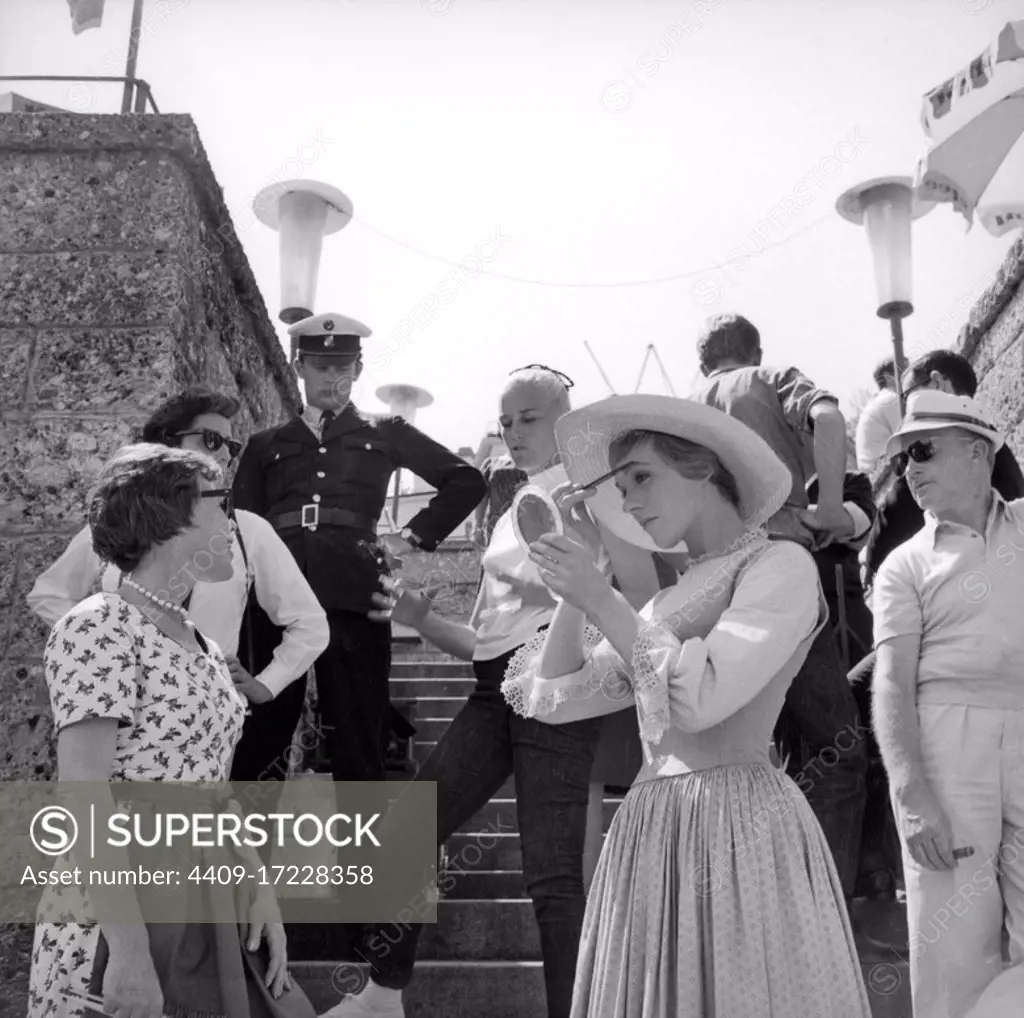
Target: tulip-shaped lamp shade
(886, 207)
(404, 400)
(303, 212)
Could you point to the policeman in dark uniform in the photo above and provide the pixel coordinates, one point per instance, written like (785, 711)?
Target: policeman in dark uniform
(321, 480)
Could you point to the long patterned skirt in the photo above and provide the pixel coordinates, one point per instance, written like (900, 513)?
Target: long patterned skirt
(716, 895)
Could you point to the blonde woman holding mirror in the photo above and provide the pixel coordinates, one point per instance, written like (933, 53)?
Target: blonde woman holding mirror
(486, 743)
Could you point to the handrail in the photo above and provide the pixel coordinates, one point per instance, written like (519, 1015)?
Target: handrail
(143, 93)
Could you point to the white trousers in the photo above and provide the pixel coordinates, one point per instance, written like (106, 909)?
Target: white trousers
(958, 919)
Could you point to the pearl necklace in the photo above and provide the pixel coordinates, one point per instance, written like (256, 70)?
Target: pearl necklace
(748, 537)
(170, 606)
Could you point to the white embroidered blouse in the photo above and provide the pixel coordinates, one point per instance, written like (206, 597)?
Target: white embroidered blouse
(711, 663)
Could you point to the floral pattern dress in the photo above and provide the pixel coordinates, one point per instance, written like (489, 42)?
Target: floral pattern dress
(179, 719)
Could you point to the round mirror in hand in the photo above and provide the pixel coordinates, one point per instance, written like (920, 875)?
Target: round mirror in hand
(534, 513)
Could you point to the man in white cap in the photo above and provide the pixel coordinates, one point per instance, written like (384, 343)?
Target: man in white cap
(321, 480)
(949, 703)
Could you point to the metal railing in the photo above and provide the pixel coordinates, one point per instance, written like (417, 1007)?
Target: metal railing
(137, 93)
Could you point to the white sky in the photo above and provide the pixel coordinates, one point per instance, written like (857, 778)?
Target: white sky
(606, 142)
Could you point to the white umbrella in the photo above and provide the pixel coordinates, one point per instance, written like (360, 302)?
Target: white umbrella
(975, 121)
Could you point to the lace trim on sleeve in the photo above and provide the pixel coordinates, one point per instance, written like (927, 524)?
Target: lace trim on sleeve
(520, 685)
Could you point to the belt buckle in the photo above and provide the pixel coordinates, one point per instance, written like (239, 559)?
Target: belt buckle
(314, 522)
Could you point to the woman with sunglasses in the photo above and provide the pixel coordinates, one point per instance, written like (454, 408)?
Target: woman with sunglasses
(199, 420)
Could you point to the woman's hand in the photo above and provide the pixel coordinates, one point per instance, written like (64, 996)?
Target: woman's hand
(252, 689)
(568, 569)
(131, 988)
(575, 515)
(265, 923)
(408, 608)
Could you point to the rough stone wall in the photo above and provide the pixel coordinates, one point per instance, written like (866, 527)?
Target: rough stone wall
(992, 341)
(121, 282)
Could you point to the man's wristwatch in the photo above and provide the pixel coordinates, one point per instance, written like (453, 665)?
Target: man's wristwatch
(407, 535)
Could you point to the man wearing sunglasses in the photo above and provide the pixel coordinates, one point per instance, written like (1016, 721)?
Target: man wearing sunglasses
(948, 702)
(900, 517)
(200, 419)
(321, 481)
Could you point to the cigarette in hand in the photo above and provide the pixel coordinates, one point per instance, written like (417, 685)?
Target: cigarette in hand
(963, 853)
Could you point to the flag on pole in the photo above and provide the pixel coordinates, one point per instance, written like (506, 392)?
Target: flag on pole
(85, 14)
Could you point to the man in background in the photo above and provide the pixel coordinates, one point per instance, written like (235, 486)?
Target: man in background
(879, 420)
(321, 480)
(804, 427)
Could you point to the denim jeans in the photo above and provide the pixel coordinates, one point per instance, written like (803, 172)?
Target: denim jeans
(820, 716)
(551, 764)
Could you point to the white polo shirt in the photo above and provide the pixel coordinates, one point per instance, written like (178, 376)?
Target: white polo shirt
(962, 593)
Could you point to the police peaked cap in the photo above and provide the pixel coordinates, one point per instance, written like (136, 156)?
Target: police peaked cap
(328, 334)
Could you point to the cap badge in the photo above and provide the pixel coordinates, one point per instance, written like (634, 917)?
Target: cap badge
(328, 341)
(329, 325)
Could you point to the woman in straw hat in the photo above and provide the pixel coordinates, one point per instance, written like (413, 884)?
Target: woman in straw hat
(716, 892)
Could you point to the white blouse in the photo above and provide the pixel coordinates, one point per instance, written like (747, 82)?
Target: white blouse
(514, 602)
(706, 650)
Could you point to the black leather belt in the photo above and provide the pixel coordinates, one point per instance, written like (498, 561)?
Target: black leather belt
(312, 515)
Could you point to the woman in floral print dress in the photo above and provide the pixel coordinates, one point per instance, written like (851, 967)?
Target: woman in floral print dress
(139, 695)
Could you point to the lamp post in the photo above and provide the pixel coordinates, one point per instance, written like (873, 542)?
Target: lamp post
(304, 212)
(404, 401)
(885, 207)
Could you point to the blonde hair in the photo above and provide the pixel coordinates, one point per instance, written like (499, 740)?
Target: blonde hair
(544, 381)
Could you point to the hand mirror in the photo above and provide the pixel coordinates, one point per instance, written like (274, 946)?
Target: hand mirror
(534, 513)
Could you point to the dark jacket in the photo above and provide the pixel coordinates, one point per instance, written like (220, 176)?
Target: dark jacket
(284, 468)
(856, 489)
(900, 517)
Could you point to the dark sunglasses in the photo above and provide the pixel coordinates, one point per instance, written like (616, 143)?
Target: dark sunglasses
(562, 377)
(213, 440)
(920, 452)
(224, 494)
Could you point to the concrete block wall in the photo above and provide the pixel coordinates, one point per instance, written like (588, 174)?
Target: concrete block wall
(121, 282)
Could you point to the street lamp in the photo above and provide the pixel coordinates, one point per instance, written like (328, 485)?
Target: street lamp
(404, 401)
(304, 212)
(885, 207)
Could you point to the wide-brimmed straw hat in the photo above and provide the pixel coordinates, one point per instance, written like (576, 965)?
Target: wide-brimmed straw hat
(584, 436)
(934, 410)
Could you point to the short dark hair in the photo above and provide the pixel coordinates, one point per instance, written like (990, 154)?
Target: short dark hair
(885, 368)
(688, 458)
(728, 338)
(145, 495)
(948, 364)
(181, 410)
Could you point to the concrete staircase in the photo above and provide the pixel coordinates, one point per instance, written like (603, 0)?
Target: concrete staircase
(482, 957)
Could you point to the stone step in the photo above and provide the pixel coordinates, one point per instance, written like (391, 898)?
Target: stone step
(422, 750)
(439, 989)
(430, 688)
(452, 989)
(468, 884)
(499, 815)
(429, 728)
(497, 852)
(445, 707)
(472, 929)
(431, 669)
